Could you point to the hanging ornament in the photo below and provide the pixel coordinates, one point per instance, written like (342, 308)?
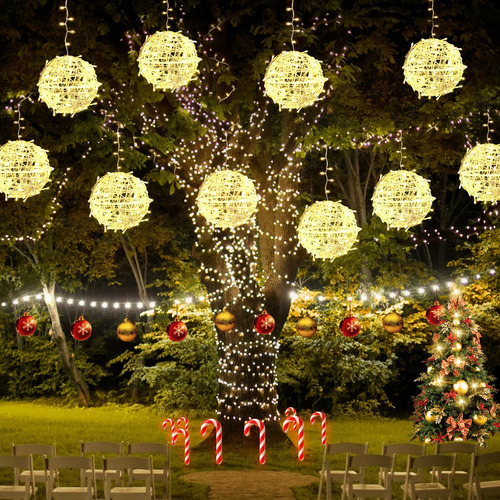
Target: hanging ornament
(227, 199)
(294, 80)
(430, 417)
(68, 84)
(177, 330)
(265, 323)
(225, 321)
(26, 325)
(350, 326)
(306, 327)
(434, 314)
(126, 331)
(327, 229)
(168, 60)
(402, 199)
(480, 174)
(456, 347)
(81, 329)
(479, 419)
(461, 387)
(433, 67)
(393, 322)
(119, 201)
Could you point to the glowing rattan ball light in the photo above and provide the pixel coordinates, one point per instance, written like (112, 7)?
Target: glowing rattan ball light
(119, 201)
(294, 80)
(433, 67)
(480, 172)
(68, 84)
(227, 198)
(24, 169)
(168, 60)
(402, 198)
(327, 229)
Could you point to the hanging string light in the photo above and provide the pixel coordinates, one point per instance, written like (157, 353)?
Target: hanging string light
(68, 84)
(168, 60)
(479, 171)
(24, 166)
(433, 67)
(119, 200)
(294, 80)
(402, 198)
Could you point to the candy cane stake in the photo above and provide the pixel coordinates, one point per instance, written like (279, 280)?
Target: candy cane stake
(185, 434)
(169, 421)
(297, 424)
(218, 437)
(262, 436)
(318, 414)
(183, 422)
(290, 411)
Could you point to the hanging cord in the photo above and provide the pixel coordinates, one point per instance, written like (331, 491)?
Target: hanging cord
(487, 125)
(166, 13)
(401, 149)
(433, 18)
(19, 117)
(118, 147)
(291, 9)
(326, 172)
(65, 24)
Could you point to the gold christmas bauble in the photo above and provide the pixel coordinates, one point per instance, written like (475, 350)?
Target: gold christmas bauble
(458, 438)
(225, 321)
(461, 387)
(68, 84)
(393, 322)
(306, 327)
(427, 440)
(479, 419)
(294, 80)
(430, 417)
(433, 67)
(456, 322)
(457, 346)
(126, 331)
(430, 369)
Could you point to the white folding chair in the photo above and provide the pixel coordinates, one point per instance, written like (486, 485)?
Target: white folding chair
(114, 486)
(459, 448)
(35, 450)
(328, 474)
(382, 489)
(405, 449)
(100, 448)
(62, 473)
(417, 487)
(14, 489)
(163, 473)
(487, 488)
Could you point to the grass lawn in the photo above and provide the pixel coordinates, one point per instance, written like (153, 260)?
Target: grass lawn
(42, 423)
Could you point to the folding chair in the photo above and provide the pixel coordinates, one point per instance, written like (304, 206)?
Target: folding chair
(402, 449)
(123, 464)
(60, 481)
(35, 450)
(100, 448)
(329, 475)
(490, 488)
(14, 489)
(163, 474)
(460, 448)
(382, 489)
(417, 486)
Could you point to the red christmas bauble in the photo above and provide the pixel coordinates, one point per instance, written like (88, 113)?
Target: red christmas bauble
(434, 314)
(264, 324)
(306, 327)
(26, 325)
(81, 329)
(350, 326)
(177, 330)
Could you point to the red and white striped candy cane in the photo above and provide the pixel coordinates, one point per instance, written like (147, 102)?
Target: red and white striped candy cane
(297, 424)
(183, 422)
(321, 415)
(290, 411)
(218, 437)
(185, 434)
(169, 421)
(262, 436)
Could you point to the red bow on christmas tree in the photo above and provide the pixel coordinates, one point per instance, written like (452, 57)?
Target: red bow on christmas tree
(460, 423)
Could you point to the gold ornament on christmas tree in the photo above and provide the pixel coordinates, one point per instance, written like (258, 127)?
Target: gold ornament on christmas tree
(327, 229)
(168, 60)
(433, 67)
(68, 84)
(294, 80)
(119, 201)
(480, 172)
(24, 169)
(402, 199)
(227, 199)
(126, 330)
(461, 387)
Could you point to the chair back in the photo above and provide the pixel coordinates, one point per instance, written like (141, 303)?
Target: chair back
(13, 489)
(48, 450)
(431, 461)
(384, 461)
(126, 463)
(101, 447)
(23, 461)
(403, 449)
(148, 448)
(58, 471)
(455, 447)
(487, 459)
(352, 448)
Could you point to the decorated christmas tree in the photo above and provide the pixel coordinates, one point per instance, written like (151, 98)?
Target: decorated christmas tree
(456, 399)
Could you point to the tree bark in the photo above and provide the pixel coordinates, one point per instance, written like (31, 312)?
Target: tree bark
(67, 358)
